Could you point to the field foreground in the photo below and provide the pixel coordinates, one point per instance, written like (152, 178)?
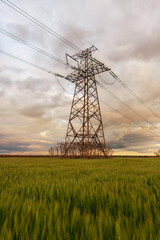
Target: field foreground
(44, 198)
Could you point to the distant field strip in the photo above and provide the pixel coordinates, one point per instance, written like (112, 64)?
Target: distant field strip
(78, 199)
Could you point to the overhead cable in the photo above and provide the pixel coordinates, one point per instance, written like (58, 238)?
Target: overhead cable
(133, 94)
(124, 103)
(40, 24)
(115, 110)
(32, 46)
(31, 64)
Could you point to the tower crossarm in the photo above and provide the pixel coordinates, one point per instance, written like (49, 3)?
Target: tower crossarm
(94, 66)
(97, 68)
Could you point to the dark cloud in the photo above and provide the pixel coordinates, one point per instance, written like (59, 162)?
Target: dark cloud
(133, 141)
(137, 138)
(10, 147)
(117, 144)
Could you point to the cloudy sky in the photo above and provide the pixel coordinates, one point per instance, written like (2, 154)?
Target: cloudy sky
(35, 106)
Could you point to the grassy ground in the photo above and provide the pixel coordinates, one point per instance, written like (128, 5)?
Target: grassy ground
(79, 199)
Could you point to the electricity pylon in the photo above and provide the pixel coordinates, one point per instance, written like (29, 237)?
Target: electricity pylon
(85, 128)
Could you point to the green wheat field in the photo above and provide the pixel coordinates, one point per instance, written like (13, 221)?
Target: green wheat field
(47, 198)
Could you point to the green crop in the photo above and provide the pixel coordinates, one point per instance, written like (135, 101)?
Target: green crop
(47, 198)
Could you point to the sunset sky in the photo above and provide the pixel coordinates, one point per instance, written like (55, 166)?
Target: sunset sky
(35, 106)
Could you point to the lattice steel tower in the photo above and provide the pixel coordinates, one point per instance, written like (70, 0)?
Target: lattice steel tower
(85, 128)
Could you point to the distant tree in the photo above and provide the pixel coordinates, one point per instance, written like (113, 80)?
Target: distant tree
(51, 150)
(109, 151)
(157, 154)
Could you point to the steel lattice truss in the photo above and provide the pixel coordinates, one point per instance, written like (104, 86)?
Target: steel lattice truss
(85, 135)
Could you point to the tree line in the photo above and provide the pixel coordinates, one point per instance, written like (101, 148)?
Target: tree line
(79, 149)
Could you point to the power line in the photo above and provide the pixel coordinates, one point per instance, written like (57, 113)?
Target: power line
(36, 66)
(40, 24)
(115, 110)
(133, 93)
(31, 64)
(129, 107)
(118, 88)
(79, 37)
(32, 46)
